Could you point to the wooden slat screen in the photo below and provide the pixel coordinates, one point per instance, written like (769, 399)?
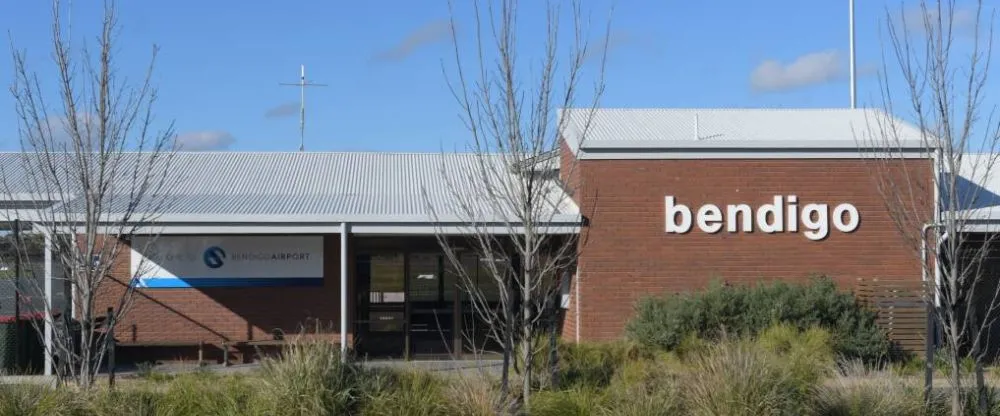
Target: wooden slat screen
(900, 307)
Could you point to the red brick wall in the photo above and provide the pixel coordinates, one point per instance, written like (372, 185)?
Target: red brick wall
(626, 254)
(569, 170)
(217, 314)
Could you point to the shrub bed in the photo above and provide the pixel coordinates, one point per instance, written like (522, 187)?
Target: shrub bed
(743, 310)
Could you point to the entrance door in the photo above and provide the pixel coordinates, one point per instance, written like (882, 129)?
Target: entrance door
(432, 305)
(381, 305)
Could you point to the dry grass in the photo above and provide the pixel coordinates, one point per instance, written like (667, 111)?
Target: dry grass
(858, 390)
(739, 378)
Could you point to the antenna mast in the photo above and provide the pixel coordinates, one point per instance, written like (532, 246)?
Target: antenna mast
(302, 84)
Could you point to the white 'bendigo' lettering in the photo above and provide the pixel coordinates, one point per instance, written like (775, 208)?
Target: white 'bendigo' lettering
(782, 214)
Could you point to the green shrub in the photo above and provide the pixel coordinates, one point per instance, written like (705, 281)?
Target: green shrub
(740, 310)
(740, 378)
(409, 393)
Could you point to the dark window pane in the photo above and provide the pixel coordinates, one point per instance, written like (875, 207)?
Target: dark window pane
(424, 277)
(387, 282)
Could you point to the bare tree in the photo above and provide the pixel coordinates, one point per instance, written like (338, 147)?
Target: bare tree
(95, 170)
(509, 199)
(937, 210)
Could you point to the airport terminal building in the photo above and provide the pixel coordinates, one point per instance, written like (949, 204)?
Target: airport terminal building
(664, 200)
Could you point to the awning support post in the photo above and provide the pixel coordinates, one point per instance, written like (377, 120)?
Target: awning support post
(49, 348)
(344, 230)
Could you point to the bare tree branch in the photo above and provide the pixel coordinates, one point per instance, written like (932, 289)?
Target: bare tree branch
(98, 170)
(944, 91)
(505, 198)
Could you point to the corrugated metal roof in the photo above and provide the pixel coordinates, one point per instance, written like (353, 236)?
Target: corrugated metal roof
(668, 127)
(392, 187)
(977, 186)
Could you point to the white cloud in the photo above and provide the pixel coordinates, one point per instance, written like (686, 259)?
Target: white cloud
(809, 69)
(963, 18)
(205, 140)
(284, 110)
(430, 33)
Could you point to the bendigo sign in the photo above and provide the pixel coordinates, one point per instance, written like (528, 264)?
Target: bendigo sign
(782, 215)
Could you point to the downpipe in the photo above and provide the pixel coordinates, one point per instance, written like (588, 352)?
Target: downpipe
(931, 330)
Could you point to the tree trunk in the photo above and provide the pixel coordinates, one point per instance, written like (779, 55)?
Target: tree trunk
(526, 324)
(956, 386)
(526, 357)
(957, 409)
(505, 373)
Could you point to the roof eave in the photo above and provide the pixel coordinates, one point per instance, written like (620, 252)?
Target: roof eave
(747, 145)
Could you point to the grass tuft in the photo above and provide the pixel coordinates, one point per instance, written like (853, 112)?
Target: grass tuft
(739, 378)
(857, 390)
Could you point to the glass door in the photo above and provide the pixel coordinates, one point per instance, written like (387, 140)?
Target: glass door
(381, 305)
(431, 305)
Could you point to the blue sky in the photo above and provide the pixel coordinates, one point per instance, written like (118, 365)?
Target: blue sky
(221, 61)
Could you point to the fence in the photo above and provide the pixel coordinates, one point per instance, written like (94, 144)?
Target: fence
(900, 307)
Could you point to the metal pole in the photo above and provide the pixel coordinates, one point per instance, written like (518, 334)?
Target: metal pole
(302, 108)
(18, 342)
(49, 348)
(343, 290)
(854, 100)
(302, 84)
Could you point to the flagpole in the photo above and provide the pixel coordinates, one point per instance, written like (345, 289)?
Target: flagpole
(854, 86)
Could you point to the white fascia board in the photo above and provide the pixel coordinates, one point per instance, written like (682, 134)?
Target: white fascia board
(559, 223)
(703, 155)
(353, 219)
(361, 229)
(739, 144)
(458, 230)
(262, 219)
(34, 196)
(982, 227)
